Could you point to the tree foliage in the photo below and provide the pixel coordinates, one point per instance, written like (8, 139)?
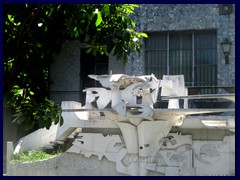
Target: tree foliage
(32, 32)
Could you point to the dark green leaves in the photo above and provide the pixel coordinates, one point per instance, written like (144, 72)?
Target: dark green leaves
(111, 31)
(106, 9)
(33, 32)
(31, 114)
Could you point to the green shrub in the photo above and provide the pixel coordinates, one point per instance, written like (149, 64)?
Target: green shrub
(30, 114)
(32, 156)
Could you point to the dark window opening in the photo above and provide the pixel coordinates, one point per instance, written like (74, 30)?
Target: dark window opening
(91, 65)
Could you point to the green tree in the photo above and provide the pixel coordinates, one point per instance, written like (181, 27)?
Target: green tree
(32, 32)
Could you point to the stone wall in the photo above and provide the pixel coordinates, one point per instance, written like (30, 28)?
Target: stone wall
(66, 164)
(182, 17)
(226, 28)
(65, 74)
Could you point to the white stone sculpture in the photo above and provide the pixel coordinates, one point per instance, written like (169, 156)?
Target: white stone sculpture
(142, 140)
(146, 144)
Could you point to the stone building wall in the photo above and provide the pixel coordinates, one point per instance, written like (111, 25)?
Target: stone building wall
(226, 28)
(64, 73)
(183, 17)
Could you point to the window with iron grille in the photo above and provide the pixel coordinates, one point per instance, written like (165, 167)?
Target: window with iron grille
(193, 54)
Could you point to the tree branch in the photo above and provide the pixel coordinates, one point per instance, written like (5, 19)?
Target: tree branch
(32, 15)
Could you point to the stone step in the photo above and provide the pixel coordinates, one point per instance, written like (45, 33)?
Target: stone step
(47, 147)
(60, 142)
(55, 143)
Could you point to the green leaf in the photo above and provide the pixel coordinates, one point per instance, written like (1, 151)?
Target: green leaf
(145, 35)
(130, 30)
(11, 18)
(75, 32)
(99, 19)
(94, 52)
(16, 117)
(88, 50)
(126, 37)
(59, 6)
(119, 33)
(56, 120)
(29, 126)
(105, 51)
(48, 123)
(110, 45)
(106, 9)
(61, 120)
(17, 24)
(133, 23)
(139, 34)
(41, 123)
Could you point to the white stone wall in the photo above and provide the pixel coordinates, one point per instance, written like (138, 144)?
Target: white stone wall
(66, 164)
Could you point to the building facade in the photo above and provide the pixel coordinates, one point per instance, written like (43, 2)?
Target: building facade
(182, 39)
(187, 35)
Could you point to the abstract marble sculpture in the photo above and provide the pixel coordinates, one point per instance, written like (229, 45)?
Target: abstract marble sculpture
(147, 142)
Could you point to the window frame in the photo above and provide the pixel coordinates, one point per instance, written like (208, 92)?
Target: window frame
(193, 81)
